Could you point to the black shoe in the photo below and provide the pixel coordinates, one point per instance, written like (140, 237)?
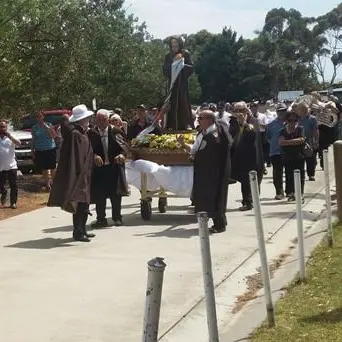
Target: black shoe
(90, 235)
(246, 207)
(291, 198)
(82, 238)
(216, 230)
(3, 197)
(100, 224)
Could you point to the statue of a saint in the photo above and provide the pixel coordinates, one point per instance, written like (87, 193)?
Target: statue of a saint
(177, 69)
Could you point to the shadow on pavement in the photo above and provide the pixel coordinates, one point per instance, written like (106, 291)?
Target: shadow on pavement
(158, 219)
(58, 229)
(46, 243)
(333, 316)
(174, 233)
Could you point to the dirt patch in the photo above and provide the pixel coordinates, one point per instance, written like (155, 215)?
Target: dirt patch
(31, 196)
(254, 283)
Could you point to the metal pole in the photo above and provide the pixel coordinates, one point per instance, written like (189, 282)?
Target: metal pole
(328, 196)
(300, 231)
(253, 177)
(338, 176)
(209, 289)
(155, 277)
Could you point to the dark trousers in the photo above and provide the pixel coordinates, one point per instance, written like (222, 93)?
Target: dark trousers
(265, 148)
(278, 172)
(79, 219)
(290, 166)
(311, 164)
(246, 193)
(11, 176)
(116, 208)
(246, 190)
(220, 221)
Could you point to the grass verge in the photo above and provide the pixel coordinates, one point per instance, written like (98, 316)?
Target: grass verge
(312, 311)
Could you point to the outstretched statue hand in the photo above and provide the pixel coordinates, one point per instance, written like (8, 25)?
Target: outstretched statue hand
(178, 57)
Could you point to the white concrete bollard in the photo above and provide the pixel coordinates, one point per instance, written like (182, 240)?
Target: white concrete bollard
(300, 230)
(253, 177)
(328, 196)
(209, 288)
(155, 278)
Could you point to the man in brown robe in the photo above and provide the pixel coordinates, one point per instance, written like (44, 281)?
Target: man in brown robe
(109, 177)
(71, 187)
(212, 169)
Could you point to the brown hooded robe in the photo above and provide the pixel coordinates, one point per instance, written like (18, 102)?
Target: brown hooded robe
(73, 176)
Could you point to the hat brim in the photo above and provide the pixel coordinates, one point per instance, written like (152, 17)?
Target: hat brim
(85, 115)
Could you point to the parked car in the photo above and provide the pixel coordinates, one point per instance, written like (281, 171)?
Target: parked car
(23, 133)
(22, 152)
(52, 116)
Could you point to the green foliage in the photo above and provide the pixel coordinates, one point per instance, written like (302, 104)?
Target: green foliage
(328, 33)
(59, 53)
(219, 80)
(195, 90)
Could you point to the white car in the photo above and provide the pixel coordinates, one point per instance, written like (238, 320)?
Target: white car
(23, 152)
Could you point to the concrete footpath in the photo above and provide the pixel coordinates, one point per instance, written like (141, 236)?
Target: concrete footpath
(54, 289)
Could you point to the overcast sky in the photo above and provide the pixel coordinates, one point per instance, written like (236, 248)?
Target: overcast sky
(168, 17)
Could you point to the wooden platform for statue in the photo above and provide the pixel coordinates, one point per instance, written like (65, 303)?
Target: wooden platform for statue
(161, 156)
(170, 131)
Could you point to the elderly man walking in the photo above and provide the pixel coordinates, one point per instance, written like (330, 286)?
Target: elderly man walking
(71, 188)
(211, 154)
(108, 178)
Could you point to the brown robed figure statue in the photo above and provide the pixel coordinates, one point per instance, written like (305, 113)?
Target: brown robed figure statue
(177, 69)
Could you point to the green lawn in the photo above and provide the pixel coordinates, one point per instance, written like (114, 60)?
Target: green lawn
(312, 312)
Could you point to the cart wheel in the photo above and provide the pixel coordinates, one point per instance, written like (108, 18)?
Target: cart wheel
(145, 210)
(162, 203)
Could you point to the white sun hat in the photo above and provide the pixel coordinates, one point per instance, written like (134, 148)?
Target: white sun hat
(80, 112)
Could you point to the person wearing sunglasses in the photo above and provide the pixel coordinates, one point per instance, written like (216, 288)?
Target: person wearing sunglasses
(291, 141)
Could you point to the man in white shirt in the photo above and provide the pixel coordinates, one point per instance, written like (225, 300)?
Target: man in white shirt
(263, 121)
(221, 114)
(270, 113)
(8, 165)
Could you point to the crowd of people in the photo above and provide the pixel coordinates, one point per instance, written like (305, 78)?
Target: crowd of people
(237, 138)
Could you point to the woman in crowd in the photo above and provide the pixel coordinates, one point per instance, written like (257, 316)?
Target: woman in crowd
(116, 121)
(44, 149)
(292, 140)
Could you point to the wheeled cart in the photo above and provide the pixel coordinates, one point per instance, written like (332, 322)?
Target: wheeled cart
(159, 181)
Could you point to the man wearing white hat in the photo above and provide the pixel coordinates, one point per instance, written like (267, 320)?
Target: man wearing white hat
(71, 188)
